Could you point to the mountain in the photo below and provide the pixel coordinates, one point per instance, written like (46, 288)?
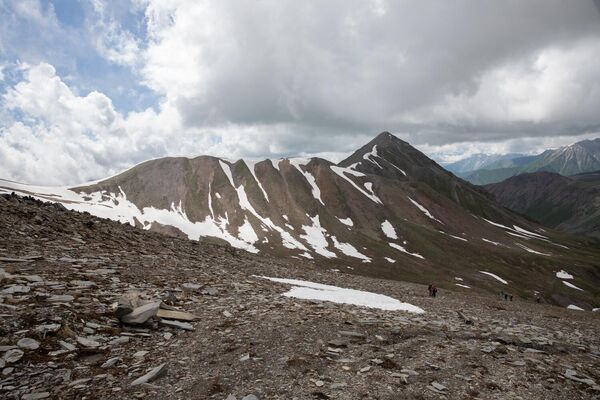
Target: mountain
(480, 161)
(386, 211)
(570, 204)
(574, 159)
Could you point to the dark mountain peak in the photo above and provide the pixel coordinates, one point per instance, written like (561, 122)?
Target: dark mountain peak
(388, 147)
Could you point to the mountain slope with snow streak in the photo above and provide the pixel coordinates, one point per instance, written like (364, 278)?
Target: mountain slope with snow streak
(386, 211)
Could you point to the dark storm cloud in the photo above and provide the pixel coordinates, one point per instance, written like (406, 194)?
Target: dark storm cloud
(353, 67)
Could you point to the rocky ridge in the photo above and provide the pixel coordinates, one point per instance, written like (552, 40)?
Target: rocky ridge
(387, 211)
(65, 275)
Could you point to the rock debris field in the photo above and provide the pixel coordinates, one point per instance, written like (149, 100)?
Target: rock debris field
(92, 309)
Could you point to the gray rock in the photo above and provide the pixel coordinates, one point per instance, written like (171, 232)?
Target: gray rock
(16, 289)
(28, 343)
(83, 284)
(250, 397)
(574, 376)
(12, 356)
(190, 287)
(60, 298)
(67, 346)
(176, 324)
(119, 340)
(438, 386)
(85, 342)
(142, 314)
(209, 291)
(47, 328)
(32, 278)
(35, 396)
(111, 362)
(127, 303)
(152, 375)
(351, 334)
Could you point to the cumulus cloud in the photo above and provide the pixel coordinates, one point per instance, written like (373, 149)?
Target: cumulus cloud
(271, 78)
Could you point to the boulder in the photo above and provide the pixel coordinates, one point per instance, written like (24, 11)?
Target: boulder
(142, 314)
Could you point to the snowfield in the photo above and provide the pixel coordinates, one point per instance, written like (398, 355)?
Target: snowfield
(495, 277)
(316, 291)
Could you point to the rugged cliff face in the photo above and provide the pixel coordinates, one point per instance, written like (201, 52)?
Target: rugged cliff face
(386, 211)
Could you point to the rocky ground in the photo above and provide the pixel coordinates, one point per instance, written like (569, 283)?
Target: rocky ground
(62, 275)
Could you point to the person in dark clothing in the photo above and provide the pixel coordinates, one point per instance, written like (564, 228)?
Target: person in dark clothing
(429, 289)
(434, 290)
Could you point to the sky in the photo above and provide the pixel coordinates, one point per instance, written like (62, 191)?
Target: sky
(91, 87)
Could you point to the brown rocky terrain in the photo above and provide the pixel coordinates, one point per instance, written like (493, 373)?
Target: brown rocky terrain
(62, 274)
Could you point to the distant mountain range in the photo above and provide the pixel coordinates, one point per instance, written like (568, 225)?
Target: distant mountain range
(386, 211)
(479, 161)
(570, 204)
(574, 159)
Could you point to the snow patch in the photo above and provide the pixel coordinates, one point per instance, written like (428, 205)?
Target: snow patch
(402, 249)
(424, 210)
(246, 232)
(490, 241)
(349, 250)
(453, 236)
(528, 233)
(347, 221)
(316, 291)
(251, 166)
(315, 237)
(574, 307)
(389, 230)
(464, 286)
(340, 171)
(298, 162)
(227, 171)
(562, 274)
(531, 250)
(370, 156)
(569, 284)
(390, 260)
(495, 277)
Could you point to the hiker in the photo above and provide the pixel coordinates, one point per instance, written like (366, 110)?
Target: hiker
(510, 297)
(429, 289)
(434, 290)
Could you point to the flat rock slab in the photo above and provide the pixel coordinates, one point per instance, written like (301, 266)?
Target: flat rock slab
(178, 315)
(61, 298)
(12, 356)
(176, 324)
(16, 289)
(141, 314)
(85, 342)
(153, 375)
(36, 396)
(28, 343)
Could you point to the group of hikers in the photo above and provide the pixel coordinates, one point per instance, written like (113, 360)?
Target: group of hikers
(507, 296)
(432, 290)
